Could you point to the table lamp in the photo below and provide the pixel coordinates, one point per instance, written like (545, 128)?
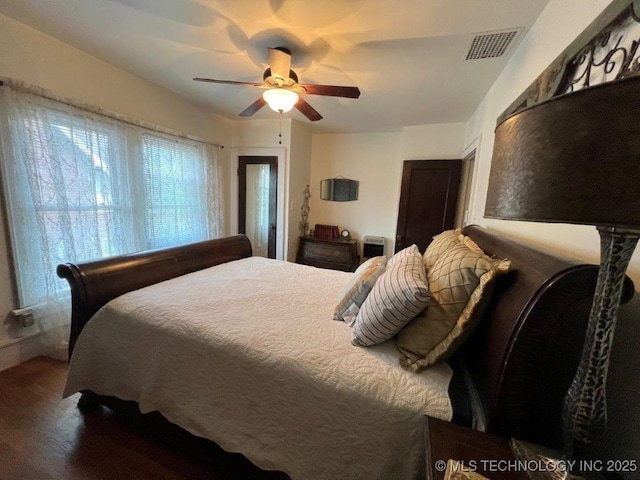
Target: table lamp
(575, 159)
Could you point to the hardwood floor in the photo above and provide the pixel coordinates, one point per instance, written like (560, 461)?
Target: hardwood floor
(43, 436)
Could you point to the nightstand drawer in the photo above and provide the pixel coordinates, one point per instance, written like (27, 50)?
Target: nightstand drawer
(326, 251)
(337, 254)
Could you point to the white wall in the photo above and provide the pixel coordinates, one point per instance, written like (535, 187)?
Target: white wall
(433, 142)
(38, 59)
(375, 160)
(299, 178)
(549, 36)
(264, 133)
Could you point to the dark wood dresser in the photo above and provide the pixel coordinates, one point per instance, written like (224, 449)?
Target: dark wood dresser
(335, 254)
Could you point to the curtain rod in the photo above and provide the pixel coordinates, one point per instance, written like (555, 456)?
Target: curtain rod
(18, 85)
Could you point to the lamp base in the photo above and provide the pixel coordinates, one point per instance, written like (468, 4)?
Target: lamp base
(585, 411)
(541, 463)
(547, 464)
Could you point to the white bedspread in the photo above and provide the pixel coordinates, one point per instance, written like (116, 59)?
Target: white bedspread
(247, 354)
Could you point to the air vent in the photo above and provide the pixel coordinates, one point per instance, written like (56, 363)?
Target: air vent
(490, 44)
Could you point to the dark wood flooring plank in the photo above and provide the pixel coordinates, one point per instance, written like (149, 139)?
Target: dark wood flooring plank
(43, 436)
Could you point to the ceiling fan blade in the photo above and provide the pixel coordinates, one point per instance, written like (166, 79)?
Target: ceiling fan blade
(228, 82)
(307, 110)
(280, 63)
(331, 90)
(253, 108)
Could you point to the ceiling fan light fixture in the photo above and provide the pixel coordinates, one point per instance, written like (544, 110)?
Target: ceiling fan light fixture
(282, 89)
(280, 99)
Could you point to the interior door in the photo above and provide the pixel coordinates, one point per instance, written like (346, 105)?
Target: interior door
(428, 200)
(257, 202)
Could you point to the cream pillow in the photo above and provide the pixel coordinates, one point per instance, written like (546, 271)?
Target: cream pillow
(398, 296)
(380, 261)
(461, 282)
(357, 289)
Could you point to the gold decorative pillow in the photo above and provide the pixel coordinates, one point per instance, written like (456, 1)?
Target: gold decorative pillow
(356, 291)
(440, 244)
(460, 282)
(443, 242)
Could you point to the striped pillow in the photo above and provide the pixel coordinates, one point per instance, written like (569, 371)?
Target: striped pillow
(402, 255)
(398, 296)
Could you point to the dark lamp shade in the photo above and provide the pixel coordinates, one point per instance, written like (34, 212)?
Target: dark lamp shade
(572, 159)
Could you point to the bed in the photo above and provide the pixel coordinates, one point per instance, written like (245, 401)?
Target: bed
(210, 337)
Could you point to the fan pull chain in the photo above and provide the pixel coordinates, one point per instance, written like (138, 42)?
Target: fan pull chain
(280, 134)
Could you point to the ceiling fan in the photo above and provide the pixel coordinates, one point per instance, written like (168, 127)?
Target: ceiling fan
(282, 90)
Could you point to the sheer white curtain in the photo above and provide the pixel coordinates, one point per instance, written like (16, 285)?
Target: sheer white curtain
(257, 208)
(80, 186)
(214, 190)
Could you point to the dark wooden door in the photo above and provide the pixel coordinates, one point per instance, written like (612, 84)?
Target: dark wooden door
(428, 199)
(257, 202)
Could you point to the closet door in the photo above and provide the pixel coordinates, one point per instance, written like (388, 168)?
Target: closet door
(428, 200)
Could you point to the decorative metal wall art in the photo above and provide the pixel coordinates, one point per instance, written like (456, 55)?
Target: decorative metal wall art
(607, 50)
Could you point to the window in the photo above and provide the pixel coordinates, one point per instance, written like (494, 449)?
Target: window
(73, 178)
(80, 186)
(175, 189)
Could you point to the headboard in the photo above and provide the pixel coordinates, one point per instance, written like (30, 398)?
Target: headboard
(93, 284)
(522, 357)
(525, 352)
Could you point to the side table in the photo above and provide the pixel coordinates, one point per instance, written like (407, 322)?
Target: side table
(335, 254)
(481, 452)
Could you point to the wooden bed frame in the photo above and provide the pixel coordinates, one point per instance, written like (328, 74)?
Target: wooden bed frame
(521, 358)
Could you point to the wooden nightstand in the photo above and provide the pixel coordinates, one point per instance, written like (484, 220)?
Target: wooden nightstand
(480, 451)
(335, 254)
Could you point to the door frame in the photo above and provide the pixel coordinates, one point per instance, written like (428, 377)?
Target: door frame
(281, 219)
(272, 163)
(472, 149)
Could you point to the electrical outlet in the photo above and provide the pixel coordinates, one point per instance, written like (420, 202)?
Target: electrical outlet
(26, 320)
(24, 317)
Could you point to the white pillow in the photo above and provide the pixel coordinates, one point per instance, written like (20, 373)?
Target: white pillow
(398, 296)
(355, 292)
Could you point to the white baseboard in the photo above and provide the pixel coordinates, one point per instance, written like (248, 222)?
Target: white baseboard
(20, 350)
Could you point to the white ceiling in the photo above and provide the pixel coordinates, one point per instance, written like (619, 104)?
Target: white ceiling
(406, 56)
